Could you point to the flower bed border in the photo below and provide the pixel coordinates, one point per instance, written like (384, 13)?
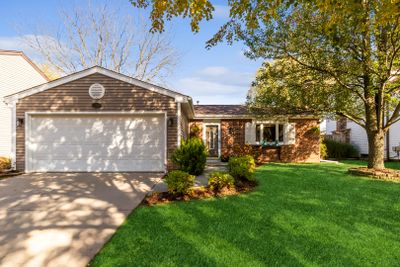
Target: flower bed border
(197, 193)
(381, 174)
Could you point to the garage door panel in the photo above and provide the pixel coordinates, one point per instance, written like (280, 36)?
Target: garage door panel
(71, 152)
(96, 166)
(96, 142)
(58, 130)
(90, 149)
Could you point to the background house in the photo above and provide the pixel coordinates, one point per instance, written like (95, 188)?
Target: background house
(347, 131)
(17, 72)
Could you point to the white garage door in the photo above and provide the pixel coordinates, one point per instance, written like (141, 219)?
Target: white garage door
(94, 143)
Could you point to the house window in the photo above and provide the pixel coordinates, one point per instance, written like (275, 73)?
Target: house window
(270, 133)
(258, 132)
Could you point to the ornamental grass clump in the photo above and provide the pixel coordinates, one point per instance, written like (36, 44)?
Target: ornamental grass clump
(220, 180)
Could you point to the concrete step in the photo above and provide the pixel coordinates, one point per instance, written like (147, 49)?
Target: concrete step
(216, 163)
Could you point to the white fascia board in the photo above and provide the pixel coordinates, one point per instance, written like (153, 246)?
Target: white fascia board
(249, 117)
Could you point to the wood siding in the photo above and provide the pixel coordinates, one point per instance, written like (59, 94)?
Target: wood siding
(74, 97)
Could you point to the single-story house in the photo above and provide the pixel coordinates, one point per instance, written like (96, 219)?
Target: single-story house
(100, 120)
(17, 72)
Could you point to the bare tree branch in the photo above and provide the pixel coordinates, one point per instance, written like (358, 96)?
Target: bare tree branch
(100, 35)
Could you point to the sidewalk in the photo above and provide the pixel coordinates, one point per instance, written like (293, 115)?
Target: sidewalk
(212, 165)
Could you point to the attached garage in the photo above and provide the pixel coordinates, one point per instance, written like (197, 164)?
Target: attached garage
(76, 142)
(97, 120)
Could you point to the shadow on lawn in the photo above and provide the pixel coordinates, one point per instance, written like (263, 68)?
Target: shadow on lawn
(299, 215)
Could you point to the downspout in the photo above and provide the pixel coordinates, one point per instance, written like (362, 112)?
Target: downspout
(13, 107)
(179, 114)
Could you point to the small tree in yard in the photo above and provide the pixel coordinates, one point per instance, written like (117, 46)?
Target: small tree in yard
(330, 56)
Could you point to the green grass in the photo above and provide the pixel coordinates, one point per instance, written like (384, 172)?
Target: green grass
(304, 214)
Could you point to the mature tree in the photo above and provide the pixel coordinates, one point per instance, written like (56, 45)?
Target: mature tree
(50, 72)
(343, 56)
(100, 35)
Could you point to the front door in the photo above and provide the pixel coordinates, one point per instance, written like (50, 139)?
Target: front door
(212, 140)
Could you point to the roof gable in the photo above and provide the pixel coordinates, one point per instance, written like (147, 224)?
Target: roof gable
(27, 59)
(93, 70)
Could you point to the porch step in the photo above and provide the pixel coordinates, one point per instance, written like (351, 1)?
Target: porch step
(216, 162)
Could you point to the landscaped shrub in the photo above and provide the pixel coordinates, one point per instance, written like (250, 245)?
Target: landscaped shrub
(179, 182)
(225, 157)
(5, 164)
(219, 180)
(339, 150)
(238, 150)
(191, 156)
(323, 151)
(242, 168)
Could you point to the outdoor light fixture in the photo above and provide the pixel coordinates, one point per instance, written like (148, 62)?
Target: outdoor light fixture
(20, 122)
(170, 122)
(96, 105)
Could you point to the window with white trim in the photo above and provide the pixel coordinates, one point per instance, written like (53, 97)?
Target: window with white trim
(269, 133)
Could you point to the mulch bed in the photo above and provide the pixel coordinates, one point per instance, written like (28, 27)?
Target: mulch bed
(382, 174)
(197, 193)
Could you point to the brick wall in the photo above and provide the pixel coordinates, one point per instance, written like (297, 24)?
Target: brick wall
(306, 148)
(232, 132)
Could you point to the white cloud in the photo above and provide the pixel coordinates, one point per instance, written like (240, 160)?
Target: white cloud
(20, 43)
(14, 43)
(221, 11)
(214, 71)
(216, 85)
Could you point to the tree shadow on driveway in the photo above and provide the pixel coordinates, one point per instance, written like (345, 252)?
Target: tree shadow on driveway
(64, 219)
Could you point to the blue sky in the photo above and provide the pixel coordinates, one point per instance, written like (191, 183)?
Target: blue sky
(221, 75)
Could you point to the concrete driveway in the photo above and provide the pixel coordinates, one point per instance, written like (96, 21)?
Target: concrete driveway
(64, 219)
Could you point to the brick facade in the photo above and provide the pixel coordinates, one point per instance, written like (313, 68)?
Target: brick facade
(305, 149)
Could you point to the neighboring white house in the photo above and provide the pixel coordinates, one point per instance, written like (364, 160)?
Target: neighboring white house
(358, 136)
(17, 73)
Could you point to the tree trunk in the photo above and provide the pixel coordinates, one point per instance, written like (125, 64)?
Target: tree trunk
(376, 145)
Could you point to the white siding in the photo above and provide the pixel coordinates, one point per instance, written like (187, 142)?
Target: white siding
(394, 137)
(358, 137)
(16, 74)
(330, 126)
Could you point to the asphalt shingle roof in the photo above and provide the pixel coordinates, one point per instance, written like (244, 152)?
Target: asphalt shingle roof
(220, 109)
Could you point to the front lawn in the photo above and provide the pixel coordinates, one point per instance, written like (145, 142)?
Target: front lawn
(310, 214)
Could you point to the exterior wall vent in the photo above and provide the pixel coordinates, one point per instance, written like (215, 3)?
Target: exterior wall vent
(97, 91)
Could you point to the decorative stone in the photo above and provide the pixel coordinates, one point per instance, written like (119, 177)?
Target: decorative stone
(383, 174)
